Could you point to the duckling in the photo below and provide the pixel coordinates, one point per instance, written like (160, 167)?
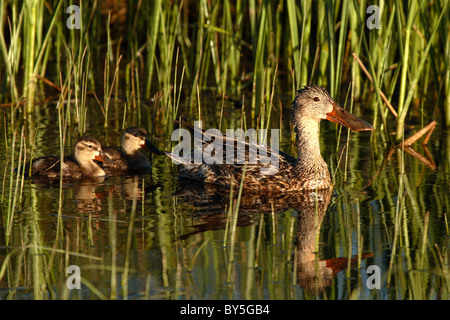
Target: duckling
(130, 158)
(77, 166)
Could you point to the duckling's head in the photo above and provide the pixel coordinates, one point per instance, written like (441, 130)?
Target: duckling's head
(88, 149)
(314, 103)
(134, 139)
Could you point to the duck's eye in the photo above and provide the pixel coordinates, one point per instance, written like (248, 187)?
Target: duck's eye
(136, 135)
(316, 99)
(90, 146)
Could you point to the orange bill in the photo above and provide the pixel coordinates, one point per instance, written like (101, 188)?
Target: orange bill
(102, 157)
(345, 118)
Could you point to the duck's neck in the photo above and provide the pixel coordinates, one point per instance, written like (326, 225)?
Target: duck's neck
(128, 150)
(91, 169)
(308, 146)
(138, 160)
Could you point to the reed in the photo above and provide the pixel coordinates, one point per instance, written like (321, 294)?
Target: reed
(11, 56)
(220, 41)
(233, 223)
(164, 60)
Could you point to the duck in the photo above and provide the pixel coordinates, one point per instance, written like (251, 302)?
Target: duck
(130, 158)
(307, 171)
(75, 167)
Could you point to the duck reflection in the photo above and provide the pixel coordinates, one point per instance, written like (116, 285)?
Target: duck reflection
(133, 187)
(311, 207)
(91, 193)
(88, 198)
(312, 272)
(130, 188)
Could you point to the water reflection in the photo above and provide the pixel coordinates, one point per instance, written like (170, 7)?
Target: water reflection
(87, 199)
(129, 188)
(401, 211)
(312, 272)
(90, 193)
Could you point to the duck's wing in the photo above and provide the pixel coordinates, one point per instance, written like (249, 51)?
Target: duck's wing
(222, 149)
(71, 168)
(50, 167)
(222, 160)
(45, 166)
(113, 153)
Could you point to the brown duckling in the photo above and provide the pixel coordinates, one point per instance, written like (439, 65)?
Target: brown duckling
(77, 166)
(306, 172)
(130, 158)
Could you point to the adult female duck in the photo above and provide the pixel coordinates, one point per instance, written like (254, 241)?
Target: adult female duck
(306, 172)
(77, 166)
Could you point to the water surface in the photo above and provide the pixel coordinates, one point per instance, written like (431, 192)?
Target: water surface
(153, 237)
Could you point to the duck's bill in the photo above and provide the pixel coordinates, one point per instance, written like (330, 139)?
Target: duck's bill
(102, 157)
(151, 147)
(345, 118)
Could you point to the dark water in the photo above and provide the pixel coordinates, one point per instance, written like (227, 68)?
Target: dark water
(151, 237)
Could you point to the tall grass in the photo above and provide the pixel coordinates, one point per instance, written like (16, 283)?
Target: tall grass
(224, 51)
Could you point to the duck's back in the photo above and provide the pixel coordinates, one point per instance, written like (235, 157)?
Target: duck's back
(116, 155)
(51, 166)
(260, 177)
(124, 164)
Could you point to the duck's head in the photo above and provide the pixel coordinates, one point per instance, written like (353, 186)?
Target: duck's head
(87, 149)
(135, 138)
(314, 103)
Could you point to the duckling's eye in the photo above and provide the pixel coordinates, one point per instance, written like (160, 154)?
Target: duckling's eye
(136, 135)
(90, 146)
(316, 99)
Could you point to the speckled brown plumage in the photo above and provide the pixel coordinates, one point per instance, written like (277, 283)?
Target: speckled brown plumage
(77, 166)
(306, 172)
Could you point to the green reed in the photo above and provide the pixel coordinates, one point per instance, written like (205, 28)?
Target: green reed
(14, 186)
(11, 56)
(312, 42)
(255, 52)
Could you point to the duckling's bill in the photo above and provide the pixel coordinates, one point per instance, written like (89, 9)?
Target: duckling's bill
(151, 147)
(102, 157)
